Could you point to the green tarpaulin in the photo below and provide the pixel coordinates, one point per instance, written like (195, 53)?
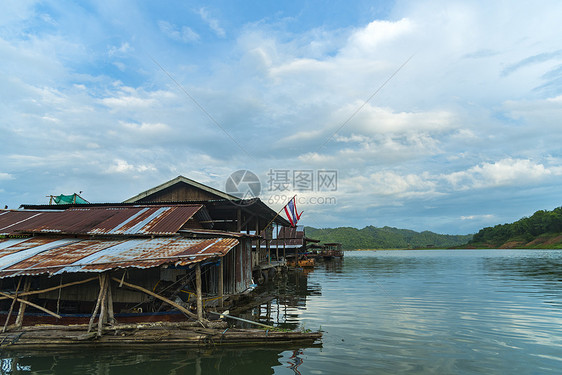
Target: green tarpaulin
(69, 199)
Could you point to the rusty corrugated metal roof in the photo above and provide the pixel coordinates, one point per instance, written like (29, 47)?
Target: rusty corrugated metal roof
(35, 256)
(132, 220)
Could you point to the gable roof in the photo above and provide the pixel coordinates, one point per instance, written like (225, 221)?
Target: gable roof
(84, 219)
(181, 180)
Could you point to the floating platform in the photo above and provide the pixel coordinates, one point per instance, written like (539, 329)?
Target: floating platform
(184, 335)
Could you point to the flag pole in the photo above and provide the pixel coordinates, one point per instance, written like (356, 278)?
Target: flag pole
(282, 208)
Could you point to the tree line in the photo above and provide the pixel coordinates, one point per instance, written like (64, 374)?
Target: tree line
(526, 229)
(372, 237)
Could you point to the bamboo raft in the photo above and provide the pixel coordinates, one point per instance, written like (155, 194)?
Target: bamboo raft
(148, 335)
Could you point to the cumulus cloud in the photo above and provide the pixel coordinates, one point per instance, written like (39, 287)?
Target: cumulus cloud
(366, 41)
(502, 173)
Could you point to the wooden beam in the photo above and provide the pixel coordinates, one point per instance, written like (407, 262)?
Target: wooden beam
(52, 288)
(32, 304)
(169, 302)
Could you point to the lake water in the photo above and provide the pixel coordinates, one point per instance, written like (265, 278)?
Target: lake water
(382, 312)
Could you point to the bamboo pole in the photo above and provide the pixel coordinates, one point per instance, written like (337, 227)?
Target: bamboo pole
(32, 304)
(7, 296)
(26, 286)
(179, 307)
(12, 306)
(199, 293)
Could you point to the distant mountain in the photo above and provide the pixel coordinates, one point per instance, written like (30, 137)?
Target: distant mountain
(385, 238)
(543, 230)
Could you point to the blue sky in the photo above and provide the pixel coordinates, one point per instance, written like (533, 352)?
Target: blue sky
(435, 115)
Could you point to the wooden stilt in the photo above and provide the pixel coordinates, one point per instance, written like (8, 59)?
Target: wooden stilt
(100, 295)
(60, 292)
(103, 305)
(12, 306)
(110, 312)
(26, 286)
(199, 293)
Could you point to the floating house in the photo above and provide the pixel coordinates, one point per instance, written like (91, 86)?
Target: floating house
(164, 255)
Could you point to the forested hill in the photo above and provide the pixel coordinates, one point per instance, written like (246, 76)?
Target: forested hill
(542, 230)
(385, 238)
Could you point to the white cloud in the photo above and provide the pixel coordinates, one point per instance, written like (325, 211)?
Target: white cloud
(124, 48)
(6, 176)
(212, 22)
(122, 166)
(505, 172)
(367, 40)
(478, 217)
(184, 34)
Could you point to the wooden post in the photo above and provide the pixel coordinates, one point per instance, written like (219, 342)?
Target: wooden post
(60, 293)
(276, 242)
(26, 287)
(199, 293)
(100, 296)
(221, 282)
(110, 312)
(284, 249)
(258, 242)
(103, 310)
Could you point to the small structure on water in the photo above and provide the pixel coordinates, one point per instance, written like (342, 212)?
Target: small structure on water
(327, 251)
(165, 257)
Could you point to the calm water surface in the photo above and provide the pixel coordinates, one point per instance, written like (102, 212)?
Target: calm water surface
(383, 312)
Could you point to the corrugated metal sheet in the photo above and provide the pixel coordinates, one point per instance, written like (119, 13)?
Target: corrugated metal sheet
(134, 220)
(39, 256)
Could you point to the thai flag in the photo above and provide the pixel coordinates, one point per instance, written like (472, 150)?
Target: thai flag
(292, 213)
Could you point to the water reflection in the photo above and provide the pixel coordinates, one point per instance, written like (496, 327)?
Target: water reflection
(526, 265)
(224, 361)
(290, 292)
